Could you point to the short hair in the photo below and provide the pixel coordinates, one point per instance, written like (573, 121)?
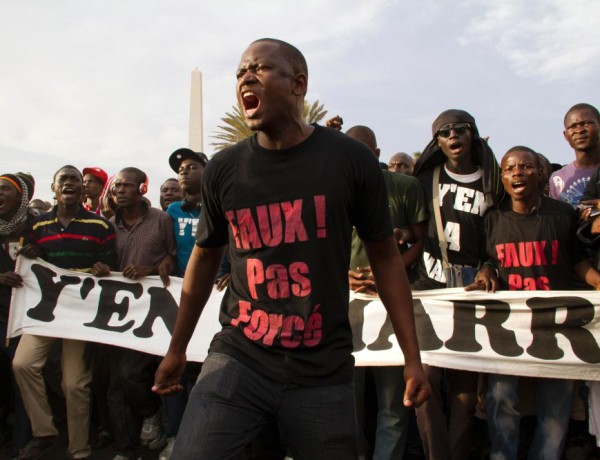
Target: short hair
(363, 134)
(405, 156)
(170, 179)
(522, 148)
(140, 176)
(292, 55)
(582, 106)
(545, 162)
(66, 167)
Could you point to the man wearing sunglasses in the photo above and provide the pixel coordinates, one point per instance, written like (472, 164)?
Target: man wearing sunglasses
(461, 179)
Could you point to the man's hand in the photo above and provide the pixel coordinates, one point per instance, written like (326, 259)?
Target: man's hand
(11, 279)
(335, 123)
(402, 236)
(587, 206)
(417, 387)
(165, 268)
(134, 272)
(486, 279)
(223, 282)
(168, 375)
(100, 269)
(31, 251)
(362, 280)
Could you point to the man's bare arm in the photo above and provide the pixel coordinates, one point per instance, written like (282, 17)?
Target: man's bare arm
(394, 292)
(198, 284)
(412, 254)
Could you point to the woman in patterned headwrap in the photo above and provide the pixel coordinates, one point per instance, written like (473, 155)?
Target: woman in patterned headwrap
(15, 217)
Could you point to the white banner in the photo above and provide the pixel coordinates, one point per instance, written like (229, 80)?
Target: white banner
(532, 333)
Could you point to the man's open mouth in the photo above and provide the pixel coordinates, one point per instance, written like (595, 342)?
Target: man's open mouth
(250, 101)
(518, 186)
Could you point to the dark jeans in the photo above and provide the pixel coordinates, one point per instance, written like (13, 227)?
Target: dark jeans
(553, 408)
(130, 397)
(392, 416)
(231, 403)
(101, 356)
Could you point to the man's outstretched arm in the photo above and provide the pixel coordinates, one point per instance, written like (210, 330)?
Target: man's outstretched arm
(198, 284)
(394, 291)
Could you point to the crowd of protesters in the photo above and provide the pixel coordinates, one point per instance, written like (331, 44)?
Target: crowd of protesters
(127, 399)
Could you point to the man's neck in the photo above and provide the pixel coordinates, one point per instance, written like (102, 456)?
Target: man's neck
(92, 203)
(289, 136)
(131, 214)
(527, 206)
(461, 167)
(193, 198)
(588, 159)
(66, 213)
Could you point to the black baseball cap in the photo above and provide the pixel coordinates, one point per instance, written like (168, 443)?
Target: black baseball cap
(186, 154)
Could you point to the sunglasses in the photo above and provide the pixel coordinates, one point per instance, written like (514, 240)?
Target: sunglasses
(458, 128)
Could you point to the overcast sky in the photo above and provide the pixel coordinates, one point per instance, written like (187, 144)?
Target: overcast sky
(107, 83)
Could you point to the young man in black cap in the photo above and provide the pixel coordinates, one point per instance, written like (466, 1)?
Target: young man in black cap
(285, 201)
(189, 166)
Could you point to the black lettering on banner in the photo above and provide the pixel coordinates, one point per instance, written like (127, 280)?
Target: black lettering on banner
(162, 305)
(86, 287)
(382, 342)
(107, 306)
(544, 328)
(502, 340)
(356, 315)
(44, 310)
(428, 339)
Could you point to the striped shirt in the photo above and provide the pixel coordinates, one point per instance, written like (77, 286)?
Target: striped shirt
(87, 239)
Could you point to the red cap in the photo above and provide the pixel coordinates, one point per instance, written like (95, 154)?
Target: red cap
(96, 172)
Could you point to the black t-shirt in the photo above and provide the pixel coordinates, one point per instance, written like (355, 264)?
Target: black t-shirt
(535, 251)
(287, 216)
(462, 206)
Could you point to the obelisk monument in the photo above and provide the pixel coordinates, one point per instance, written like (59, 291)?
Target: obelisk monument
(196, 142)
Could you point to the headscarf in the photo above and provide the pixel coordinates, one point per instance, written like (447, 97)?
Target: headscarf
(24, 189)
(482, 154)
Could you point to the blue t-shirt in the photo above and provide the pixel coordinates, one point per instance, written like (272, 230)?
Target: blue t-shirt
(185, 223)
